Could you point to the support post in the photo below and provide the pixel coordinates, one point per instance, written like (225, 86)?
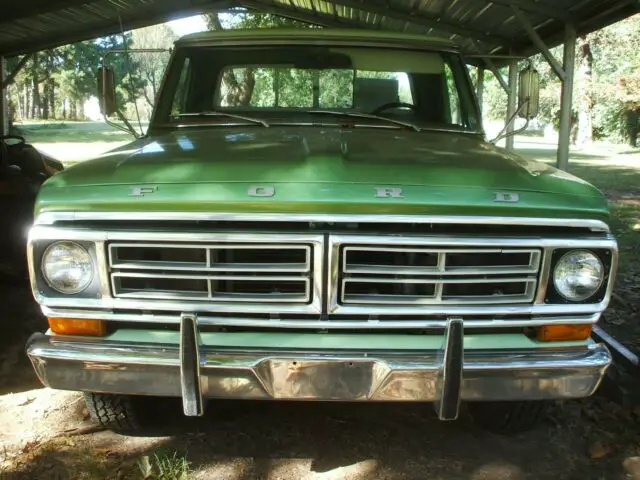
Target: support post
(4, 100)
(512, 103)
(480, 88)
(567, 97)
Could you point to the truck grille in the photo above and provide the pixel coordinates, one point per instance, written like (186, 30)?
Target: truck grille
(228, 273)
(362, 275)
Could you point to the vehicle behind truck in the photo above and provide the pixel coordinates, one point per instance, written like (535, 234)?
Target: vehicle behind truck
(316, 214)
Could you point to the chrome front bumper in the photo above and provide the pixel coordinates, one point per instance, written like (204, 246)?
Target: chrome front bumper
(193, 372)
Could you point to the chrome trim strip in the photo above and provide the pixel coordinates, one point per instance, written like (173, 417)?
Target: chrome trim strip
(103, 271)
(49, 218)
(471, 320)
(545, 275)
(154, 369)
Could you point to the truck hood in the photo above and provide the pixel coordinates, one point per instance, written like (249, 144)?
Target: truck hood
(316, 169)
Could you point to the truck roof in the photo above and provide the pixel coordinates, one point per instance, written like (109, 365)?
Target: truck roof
(313, 35)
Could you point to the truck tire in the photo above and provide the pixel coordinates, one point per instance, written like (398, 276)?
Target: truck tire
(508, 417)
(120, 413)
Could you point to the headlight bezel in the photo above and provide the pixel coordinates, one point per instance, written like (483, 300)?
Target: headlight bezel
(45, 289)
(553, 296)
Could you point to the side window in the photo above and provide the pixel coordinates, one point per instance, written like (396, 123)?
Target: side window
(179, 100)
(453, 100)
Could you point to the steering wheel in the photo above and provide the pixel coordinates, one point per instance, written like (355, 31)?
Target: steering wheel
(388, 106)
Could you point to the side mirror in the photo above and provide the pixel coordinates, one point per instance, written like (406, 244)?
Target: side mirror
(529, 93)
(107, 91)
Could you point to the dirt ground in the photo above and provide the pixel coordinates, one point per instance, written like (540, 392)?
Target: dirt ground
(46, 434)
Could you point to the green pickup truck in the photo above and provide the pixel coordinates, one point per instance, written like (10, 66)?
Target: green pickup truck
(316, 214)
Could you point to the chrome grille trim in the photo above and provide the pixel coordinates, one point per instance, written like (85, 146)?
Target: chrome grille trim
(207, 272)
(210, 319)
(208, 265)
(438, 296)
(441, 268)
(209, 293)
(50, 218)
(341, 272)
(141, 310)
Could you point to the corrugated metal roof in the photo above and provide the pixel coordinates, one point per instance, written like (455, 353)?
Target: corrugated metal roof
(488, 26)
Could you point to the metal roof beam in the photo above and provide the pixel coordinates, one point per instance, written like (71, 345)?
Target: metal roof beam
(538, 42)
(534, 7)
(110, 26)
(322, 19)
(422, 20)
(39, 7)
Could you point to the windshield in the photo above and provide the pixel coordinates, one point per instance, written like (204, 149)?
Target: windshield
(363, 86)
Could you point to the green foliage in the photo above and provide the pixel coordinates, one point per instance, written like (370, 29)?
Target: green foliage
(170, 467)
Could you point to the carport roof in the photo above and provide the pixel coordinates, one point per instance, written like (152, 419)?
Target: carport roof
(482, 26)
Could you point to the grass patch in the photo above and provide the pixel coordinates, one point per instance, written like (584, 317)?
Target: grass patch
(165, 466)
(74, 132)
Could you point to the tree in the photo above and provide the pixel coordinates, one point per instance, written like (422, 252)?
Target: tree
(151, 66)
(239, 91)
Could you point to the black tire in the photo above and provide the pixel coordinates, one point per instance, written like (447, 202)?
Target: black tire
(120, 413)
(508, 417)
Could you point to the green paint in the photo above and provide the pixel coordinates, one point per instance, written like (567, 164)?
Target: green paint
(336, 341)
(211, 169)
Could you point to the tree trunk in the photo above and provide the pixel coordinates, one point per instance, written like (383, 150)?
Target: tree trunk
(19, 104)
(52, 98)
(45, 104)
(585, 92)
(73, 114)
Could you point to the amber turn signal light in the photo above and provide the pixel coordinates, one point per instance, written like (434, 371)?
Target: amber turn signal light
(563, 333)
(78, 326)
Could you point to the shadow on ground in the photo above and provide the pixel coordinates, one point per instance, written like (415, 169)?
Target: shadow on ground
(265, 440)
(20, 316)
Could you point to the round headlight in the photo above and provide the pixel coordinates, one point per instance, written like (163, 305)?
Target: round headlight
(67, 267)
(578, 275)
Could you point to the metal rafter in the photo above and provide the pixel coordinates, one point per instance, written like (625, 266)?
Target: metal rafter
(534, 7)
(41, 7)
(538, 42)
(422, 20)
(112, 26)
(318, 18)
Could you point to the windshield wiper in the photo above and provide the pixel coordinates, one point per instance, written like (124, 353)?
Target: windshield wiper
(224, 114)
(365, 115)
